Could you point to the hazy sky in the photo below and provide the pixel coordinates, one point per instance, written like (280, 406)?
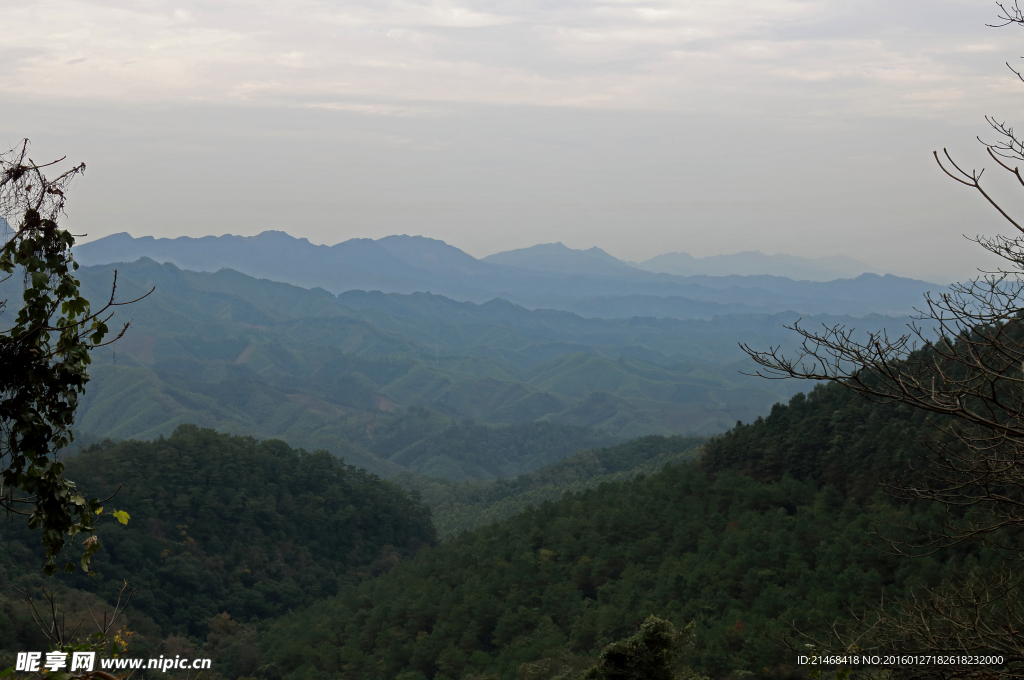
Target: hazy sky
(641, 127)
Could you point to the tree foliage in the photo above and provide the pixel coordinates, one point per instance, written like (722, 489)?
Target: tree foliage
(737, 556)
(962, 364)
(652, 653)
(736, 548)
(228, 524)
(44, 356)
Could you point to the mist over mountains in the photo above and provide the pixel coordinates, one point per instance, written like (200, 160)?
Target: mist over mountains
(588, 282)
(556, 257)
(404, 354)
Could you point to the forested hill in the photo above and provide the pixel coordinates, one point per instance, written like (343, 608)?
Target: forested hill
(227, 526)
(774, 527)
(221, 523)
(830, 436)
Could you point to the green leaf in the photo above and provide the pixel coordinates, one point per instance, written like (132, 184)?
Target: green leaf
(121, 516)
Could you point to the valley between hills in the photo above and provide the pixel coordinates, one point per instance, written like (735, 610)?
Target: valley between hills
(400, 484)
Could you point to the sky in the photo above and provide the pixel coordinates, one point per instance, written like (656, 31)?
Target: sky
(638, 126)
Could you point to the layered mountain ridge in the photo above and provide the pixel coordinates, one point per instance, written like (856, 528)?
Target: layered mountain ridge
(551, 276)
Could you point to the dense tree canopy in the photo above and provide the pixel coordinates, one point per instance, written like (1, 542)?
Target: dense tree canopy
(736, 555)
(229, 524)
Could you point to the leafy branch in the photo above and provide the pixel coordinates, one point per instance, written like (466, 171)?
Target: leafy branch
(44, 356)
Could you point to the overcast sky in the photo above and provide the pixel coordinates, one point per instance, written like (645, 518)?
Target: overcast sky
(639, 126)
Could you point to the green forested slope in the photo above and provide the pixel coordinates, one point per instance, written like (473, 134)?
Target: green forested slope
(224, 525)
(773, 526)
(830, 436)
(737, 556)
(221, 523)
(770, 526)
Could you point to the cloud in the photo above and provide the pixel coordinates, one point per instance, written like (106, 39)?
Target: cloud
(639, 54)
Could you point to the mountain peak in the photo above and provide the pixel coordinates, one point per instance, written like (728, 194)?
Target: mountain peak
(557, 257)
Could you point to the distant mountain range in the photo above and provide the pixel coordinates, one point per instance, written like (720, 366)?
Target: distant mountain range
(551, 276)
(556, 257)
(755, 262)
